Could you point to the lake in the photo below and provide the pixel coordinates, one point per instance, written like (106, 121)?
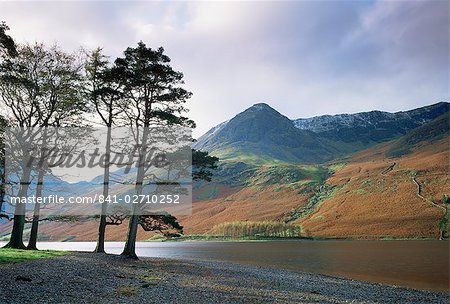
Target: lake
(415, 264)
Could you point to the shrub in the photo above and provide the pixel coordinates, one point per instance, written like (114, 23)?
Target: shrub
(126, 290)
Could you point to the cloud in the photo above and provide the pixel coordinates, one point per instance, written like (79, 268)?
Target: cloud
(304, 58)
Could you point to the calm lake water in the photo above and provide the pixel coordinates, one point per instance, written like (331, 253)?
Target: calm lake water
(415, 264)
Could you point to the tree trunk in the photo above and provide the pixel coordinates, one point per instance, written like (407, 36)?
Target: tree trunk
(102, 226)
(37, 210)
(40, 184)
(130, 245)
(2, 194)
(2, 185)
(100, 248)
(16, 240)
(3, 175)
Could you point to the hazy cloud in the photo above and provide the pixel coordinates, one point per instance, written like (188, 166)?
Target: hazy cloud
(304, 58)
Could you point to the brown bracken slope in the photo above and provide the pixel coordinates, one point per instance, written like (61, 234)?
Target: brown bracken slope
(376, 196)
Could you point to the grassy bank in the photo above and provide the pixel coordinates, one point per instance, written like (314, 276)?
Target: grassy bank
(8, 255)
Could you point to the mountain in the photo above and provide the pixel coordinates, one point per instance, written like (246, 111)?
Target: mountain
(261, 134)
(370, 195)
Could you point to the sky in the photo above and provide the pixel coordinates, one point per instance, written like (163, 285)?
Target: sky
(304, 58)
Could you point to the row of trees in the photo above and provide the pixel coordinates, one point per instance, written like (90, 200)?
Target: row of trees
(256, 229)
(45, 87)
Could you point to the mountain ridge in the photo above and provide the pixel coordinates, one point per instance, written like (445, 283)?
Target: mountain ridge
(307, 123)
(261, 133)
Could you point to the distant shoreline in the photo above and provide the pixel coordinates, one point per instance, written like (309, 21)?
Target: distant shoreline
(205, 238)
(87, 277)
(209, 238)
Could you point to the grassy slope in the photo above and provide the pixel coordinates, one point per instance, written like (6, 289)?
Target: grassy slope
(8, 255)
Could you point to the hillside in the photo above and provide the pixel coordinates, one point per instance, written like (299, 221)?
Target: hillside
(379, 196)
(372, 194)
(391, 190)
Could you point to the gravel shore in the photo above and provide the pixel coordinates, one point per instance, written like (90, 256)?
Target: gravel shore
(94, 278)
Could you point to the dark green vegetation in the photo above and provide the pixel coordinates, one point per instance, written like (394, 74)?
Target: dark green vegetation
(8, 255)
(320, 194)
(287, 175)
(203, 165)
(262, 135)
(6, 42)
(164, 223)
(141, 90)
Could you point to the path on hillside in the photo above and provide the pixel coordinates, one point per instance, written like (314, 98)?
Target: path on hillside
(419, 194)
(388, 169)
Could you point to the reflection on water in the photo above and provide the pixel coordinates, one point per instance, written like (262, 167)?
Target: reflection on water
(416, 264)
